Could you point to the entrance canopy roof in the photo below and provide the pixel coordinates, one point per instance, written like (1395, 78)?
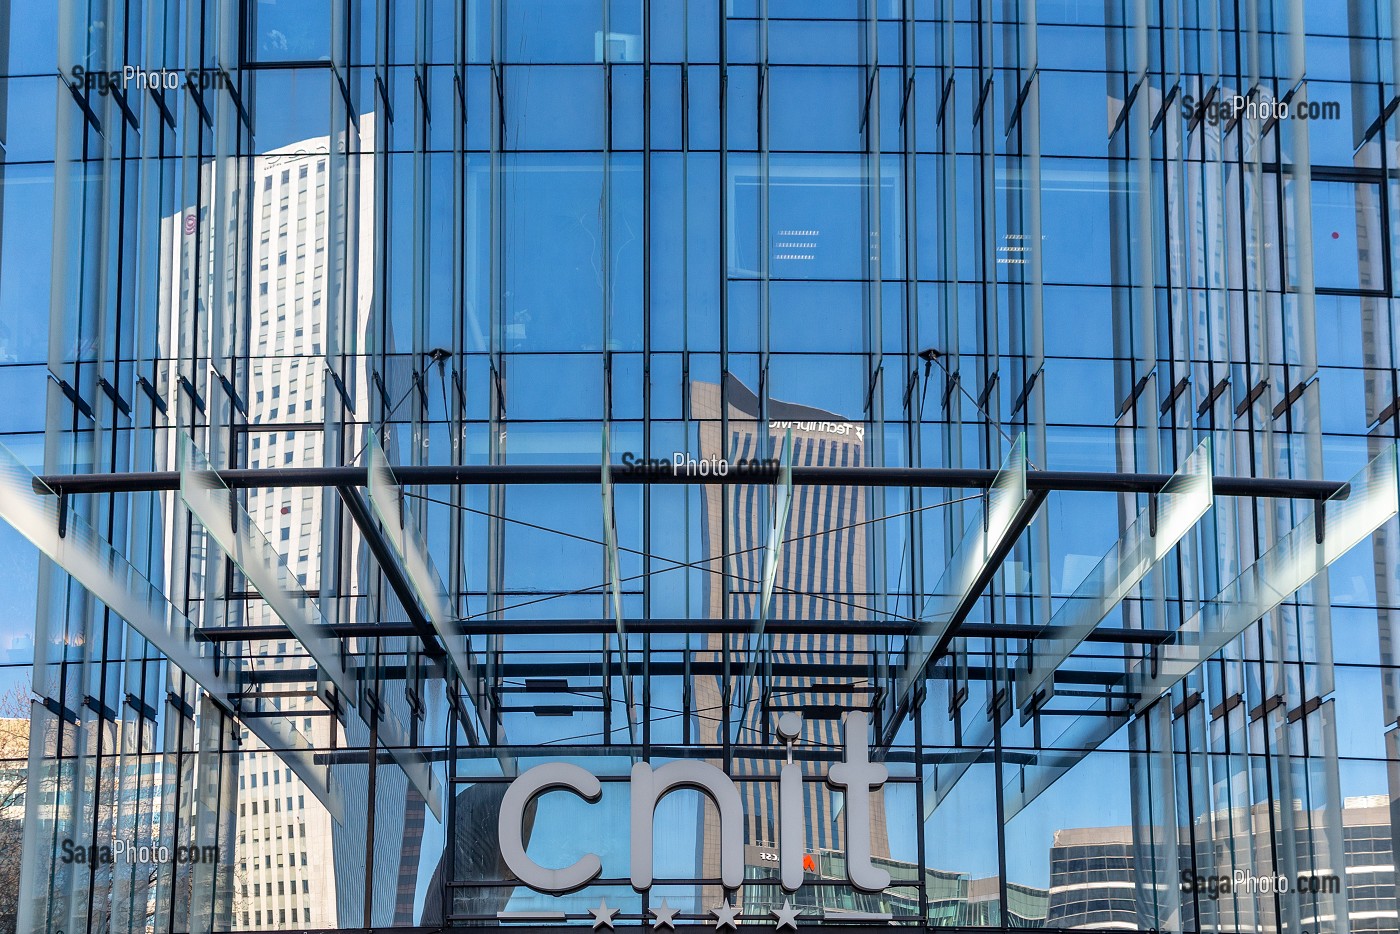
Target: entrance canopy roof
(1079, 673)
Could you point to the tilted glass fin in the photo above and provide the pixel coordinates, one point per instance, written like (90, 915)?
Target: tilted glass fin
(756, 643)
(1081, 736)
(773, 551)
(386, 500)
(1349, 517)
(225, 519)
(614, 570)
(97, 566)
(945, 765)
(1322, 537)
(228, 523)
(1183, 499)
(983, 539)
(1180, 504)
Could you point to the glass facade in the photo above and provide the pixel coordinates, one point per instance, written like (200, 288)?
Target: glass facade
(662, 463)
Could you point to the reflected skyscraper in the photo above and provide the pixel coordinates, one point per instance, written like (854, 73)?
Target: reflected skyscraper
(821, 575)
(282, 872)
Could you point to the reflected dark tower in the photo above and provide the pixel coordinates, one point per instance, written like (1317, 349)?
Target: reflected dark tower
(822, 575)
(477, 857)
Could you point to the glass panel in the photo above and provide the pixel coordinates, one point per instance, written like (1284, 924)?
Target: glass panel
(983, 539)
(614, 585)
(109, 577)
(797, 93)
(228, 523)
(555, 107)
(1146, 541)
(757, 644)
(1074, 850)
(1346, 226)
(290, 32)
(552, 31)
(26, 231)
(1372, 499)
(386, 498)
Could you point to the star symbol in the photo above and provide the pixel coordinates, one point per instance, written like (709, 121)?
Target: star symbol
(724, 915)
(665, 916)
(786, 915)
(602, 915)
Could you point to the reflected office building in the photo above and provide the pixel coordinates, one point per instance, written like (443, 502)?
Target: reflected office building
(681, 465)
(280, 873)
(1094, 873)
(821, 574)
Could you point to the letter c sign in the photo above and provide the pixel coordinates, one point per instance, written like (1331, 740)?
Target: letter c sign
(522, 791)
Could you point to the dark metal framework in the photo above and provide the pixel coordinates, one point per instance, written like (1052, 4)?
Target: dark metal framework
(348, 482)
(1044, 481)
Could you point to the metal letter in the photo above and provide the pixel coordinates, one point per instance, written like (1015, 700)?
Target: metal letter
(650, 786)
(518, 796)
(792, 826)
(857, 775)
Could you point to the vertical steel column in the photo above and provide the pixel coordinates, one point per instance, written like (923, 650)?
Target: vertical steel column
(496, 496)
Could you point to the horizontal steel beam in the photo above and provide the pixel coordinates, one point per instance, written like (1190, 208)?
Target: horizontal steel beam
(583, 474)
(592, 671)
(520, 627)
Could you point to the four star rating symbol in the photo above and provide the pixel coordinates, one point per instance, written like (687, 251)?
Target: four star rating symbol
(602, 915)
(664, 915)
(786, 915)
(726, 916)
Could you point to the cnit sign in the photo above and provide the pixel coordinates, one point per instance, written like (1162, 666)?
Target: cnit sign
(856, 776)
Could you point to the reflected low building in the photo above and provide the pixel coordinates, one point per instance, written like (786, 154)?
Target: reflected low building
(1370, 864)
(1095, 882)
(1092, 879)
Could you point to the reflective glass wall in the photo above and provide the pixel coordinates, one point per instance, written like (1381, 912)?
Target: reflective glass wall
(1148, 238)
